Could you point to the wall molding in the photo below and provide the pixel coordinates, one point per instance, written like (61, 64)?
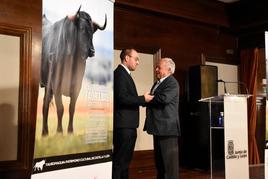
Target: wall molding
(24, 158)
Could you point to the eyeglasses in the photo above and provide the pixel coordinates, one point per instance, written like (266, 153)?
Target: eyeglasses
(136, 58)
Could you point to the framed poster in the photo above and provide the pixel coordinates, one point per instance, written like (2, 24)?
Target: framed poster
(75, 104)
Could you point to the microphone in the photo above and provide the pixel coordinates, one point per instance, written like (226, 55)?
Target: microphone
(221, 81)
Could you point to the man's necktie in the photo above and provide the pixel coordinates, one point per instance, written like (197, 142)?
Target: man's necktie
(155, 86)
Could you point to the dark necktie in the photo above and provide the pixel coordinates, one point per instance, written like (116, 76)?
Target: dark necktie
(155, 86)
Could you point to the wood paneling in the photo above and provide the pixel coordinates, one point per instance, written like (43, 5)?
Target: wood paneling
(24, 18)
(181, 39)
(249, 19)
(204, 11)
(248, 14)
(24, 35)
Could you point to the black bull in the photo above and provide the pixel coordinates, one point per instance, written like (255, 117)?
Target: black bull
(66, 45)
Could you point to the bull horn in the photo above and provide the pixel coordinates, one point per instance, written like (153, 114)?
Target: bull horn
(78, 9)
(97, 26)
(73, 17)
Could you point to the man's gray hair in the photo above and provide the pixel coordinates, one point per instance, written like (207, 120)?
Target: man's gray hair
(170, 64)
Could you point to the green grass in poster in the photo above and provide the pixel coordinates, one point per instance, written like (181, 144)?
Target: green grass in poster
(63, 144)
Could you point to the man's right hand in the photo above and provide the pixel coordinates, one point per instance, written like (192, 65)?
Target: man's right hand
(148, 97)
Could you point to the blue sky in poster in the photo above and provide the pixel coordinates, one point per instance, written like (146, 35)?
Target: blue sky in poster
(56, 10)
(100, 66)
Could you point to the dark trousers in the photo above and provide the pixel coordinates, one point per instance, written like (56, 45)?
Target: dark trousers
(166, 153)
(124, 144)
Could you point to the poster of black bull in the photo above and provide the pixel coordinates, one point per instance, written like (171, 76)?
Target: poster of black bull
(75, 103)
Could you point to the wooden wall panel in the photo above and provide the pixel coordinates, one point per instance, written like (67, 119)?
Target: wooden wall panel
(248, 14)
(205, 11)
(27, 15)
(181, 39)
(249, 19)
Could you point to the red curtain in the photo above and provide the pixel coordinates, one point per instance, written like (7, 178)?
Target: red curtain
(248, 69)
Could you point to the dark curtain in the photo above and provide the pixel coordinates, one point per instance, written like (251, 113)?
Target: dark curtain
(248, 69)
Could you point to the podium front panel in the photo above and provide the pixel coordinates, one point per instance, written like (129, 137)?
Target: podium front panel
(236, 137)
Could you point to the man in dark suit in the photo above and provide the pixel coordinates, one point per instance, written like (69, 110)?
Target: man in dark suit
(126, 113)
(162, 120)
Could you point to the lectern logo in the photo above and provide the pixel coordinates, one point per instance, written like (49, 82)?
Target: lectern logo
(230, 147)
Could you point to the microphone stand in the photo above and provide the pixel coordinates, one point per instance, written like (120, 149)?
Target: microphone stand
(237, 82)
(241, 83)
(224, 85)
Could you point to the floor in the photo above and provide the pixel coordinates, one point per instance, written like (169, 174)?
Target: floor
(256, 172)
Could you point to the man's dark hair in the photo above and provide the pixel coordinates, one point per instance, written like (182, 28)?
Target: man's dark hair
(125, 52)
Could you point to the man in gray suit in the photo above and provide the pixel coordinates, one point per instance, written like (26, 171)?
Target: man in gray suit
(162, 120)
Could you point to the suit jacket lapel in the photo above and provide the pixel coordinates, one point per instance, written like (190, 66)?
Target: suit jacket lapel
(133, 84)
(162, 84)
